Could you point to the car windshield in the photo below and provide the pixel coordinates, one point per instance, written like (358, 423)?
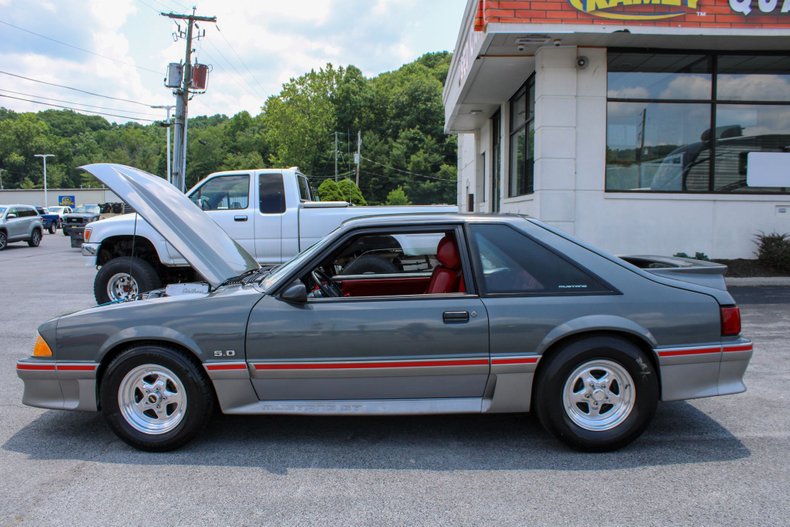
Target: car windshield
(295, 262)
(89, 209)
(56, 210)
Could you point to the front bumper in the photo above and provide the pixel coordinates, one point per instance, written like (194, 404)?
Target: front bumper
(58, 385)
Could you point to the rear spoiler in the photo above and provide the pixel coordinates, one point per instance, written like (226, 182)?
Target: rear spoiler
(701, 272)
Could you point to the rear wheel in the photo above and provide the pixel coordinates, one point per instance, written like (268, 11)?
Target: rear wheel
(53, 226)
(3, 240)
(35, 238)
(597, 394)
(155, 398)
(123, 279)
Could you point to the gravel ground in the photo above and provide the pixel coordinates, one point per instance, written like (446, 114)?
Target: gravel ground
(719, 461)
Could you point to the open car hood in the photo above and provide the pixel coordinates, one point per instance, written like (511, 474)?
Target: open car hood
(202, 242)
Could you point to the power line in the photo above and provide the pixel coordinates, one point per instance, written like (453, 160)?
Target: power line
(403, 171)
(77, 103)
(77, 109)
(74, 89)
(368, 172)
(78, 48)
(245, 86)
(240, 59)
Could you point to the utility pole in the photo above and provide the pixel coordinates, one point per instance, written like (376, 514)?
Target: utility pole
(44, 158)
(335, 156)
(167, 109)
(358, 154)
(1, 177)
(182, 98)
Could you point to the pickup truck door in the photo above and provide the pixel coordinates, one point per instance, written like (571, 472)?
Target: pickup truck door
(226, 199)
(269, 217)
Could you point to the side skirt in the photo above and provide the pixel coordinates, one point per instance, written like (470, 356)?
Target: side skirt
(460, 405)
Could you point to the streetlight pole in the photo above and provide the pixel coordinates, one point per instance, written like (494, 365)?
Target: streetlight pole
(167, 109)
(44, 158)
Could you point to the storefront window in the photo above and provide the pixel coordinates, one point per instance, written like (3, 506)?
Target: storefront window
(662, 108)
(522, 140)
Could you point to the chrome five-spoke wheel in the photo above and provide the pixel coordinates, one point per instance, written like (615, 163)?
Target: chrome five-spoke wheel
(156, 397)
(599, 395)
(152, 399)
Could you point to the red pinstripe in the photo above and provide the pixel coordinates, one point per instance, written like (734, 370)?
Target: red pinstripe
(363, 365)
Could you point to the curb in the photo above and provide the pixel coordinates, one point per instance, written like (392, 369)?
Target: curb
(758, 281)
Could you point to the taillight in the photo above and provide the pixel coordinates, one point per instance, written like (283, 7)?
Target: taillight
(730, 321)
(87, 235)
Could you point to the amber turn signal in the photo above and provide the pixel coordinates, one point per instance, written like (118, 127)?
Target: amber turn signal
(41, 349)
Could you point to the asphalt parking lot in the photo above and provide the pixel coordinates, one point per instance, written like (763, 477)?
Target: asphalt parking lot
(718, 461)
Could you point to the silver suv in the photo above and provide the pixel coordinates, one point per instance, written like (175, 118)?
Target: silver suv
(20, 223)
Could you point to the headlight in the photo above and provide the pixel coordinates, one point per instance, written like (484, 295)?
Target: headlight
(41, 348)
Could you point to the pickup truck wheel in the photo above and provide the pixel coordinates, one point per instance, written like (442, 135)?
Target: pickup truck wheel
(597, 394)
(3, 240)
(154, 398)
(52, 227)
(123, 279)
(35, 238)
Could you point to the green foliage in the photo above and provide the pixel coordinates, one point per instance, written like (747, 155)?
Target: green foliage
(351, 192)
(697, 256)
(329, 191)
(397, 196)
(344, 190)
(399, 114)
(773, 250)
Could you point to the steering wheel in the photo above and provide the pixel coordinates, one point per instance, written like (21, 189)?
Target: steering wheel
(325, 284)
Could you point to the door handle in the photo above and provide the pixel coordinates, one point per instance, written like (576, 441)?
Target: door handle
(455, 317)
(239, 218)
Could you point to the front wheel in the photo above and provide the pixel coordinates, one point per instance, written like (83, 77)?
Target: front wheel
(155, 398)
(53, 226)
(597, 394)
(123, 279)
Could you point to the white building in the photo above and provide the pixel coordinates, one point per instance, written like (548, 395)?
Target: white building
(596, 116)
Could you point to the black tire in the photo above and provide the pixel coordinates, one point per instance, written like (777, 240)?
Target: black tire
(53, 226)
(370, 264)
(593, 424)
(143, 274)
(35, 238)
(171, 376)
(3, 240)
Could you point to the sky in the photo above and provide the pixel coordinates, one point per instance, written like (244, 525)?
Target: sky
(121, 48)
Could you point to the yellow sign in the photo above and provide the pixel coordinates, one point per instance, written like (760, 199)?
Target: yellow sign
(635, 9)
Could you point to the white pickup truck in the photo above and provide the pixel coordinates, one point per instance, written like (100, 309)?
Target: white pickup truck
(269, 212)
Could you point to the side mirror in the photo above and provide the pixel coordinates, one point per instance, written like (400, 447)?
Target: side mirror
(295, 293)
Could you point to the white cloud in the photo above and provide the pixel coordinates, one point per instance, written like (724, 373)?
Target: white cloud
(262, 44)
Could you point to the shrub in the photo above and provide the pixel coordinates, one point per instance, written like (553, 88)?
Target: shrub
(397, 197)
(773, 250)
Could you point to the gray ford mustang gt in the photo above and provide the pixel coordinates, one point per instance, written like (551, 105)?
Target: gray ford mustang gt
(400, 314)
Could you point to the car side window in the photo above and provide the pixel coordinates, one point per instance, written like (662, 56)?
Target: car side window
(512, 262)
(390, 264)
(223, 193)
(272, 193)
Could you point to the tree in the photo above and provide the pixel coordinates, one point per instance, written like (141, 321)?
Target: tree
(351, 192)
(329, 191)
(397, 197)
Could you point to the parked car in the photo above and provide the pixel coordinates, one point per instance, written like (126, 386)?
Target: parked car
(462, 314)
(49, 219)
(59, 211)
(20, 223)
(74, 222)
